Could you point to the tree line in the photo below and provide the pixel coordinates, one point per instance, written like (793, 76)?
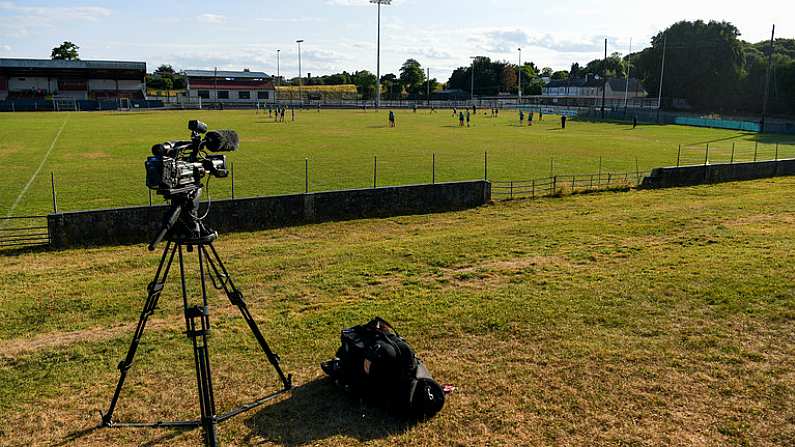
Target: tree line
(707, 68)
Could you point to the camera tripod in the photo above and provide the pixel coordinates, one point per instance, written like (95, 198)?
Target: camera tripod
(183, 229)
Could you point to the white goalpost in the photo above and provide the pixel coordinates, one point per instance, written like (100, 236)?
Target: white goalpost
(64, 104)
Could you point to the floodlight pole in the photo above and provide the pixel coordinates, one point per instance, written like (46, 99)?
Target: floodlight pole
(767, 79)
(278, 73)
(604, 81)
(378, 53)
(472, 86)
(300, 76)
(520, 76)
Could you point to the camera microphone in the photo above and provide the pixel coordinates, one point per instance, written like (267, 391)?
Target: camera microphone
(222, 140)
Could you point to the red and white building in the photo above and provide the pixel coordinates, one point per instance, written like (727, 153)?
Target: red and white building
(229, 86)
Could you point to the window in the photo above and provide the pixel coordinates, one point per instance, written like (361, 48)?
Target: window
(223, 94)
(204, 94)
(262, 95)
(244, 95)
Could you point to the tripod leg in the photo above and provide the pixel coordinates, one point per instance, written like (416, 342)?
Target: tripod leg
(236, 298)
(154, 289)
(198, 321)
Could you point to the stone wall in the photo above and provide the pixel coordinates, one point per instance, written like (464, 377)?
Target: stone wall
(139, 224)
(716, 173)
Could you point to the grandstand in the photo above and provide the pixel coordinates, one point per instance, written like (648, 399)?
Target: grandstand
(38, 79)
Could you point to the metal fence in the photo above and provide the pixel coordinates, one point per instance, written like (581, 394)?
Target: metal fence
(564, 184)
(24, 231)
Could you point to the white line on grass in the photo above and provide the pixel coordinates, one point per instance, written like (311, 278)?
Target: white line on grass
(41, 165)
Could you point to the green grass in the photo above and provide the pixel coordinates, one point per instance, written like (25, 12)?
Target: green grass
(98, 159)
(642, 318)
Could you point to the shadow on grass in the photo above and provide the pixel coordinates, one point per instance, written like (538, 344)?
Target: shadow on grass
(24, 249)
(320, 410)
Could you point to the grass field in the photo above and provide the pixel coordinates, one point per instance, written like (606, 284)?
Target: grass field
(98, 158)
(650, 318)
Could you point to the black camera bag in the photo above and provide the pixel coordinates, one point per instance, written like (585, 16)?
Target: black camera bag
(376, 363)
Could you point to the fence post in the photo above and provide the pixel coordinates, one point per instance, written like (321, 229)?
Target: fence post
(433, 170)
(306, 175)
(573, 178)
(678, 155)
(552, 167)
(756, 149)
(232, 168)
(375, 171)
(608, 178)
(706, 155)
(599, 181)
(776, 151)
(554, 184)
(591, 185)
(732, 159)
(511, 189)
(486, 165)
(54, 201)
(637, 170)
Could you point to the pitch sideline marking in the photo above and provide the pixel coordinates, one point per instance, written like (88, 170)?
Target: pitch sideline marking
(41, 165)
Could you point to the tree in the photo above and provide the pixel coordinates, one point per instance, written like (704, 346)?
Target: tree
(508, 78)
(411, 74)
(66, 51)
(703, 63)
(547, 72)
(165, 70)
(560, 75)
(365, 83)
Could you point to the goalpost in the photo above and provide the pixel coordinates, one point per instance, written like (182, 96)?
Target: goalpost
(64, 104)
(124, 104)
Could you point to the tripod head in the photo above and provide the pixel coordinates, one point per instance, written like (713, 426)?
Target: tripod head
(182, 223)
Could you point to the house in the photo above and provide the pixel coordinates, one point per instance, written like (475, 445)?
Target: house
(229, 86)
(592, 88)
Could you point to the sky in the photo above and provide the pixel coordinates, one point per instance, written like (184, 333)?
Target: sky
(341, 34)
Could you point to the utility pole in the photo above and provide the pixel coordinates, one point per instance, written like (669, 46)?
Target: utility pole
(604, 81)
(662, 75)
(378, 53)
(429, 86)
(520, 75)
(767, 79)
(215, 82)
(300, 78)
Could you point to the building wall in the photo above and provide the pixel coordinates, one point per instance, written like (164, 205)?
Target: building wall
(234, 95)
(110, 84)
(18, 84)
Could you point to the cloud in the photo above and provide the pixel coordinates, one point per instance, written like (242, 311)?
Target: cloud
(356, 2)
(22, 21)
(211, 18)
(291, 19)
(507, 41)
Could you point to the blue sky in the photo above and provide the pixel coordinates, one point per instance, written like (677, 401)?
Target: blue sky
(341, 34)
